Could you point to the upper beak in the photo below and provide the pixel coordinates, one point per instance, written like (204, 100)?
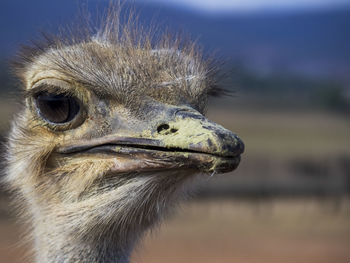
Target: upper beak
(186, 140)
(192, 132)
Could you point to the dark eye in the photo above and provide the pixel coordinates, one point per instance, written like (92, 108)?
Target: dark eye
(57, 108)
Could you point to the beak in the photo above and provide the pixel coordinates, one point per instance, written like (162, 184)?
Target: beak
(186, 140)
(192, 132)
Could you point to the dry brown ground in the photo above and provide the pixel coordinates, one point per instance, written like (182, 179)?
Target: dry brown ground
(229, 231)
(282, 231)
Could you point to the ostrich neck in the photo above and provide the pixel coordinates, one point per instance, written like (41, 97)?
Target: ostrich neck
(53, 245)
(104, 228)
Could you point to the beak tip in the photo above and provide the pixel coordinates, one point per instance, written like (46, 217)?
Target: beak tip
(239, 145)
(233, 145)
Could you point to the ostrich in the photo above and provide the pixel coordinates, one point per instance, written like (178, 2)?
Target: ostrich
(111, 132)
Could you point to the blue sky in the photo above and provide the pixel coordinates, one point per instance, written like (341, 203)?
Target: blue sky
(254, 5)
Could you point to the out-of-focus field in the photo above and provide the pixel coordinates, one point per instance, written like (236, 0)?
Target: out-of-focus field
(287, 133)
(222, 228)
(244, 232)
(275, 231)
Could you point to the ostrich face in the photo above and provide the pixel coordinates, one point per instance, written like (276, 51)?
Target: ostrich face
(110, 132)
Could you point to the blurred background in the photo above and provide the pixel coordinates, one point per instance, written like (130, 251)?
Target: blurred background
(288, 64)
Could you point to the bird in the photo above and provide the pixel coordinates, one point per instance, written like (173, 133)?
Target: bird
(111, 132)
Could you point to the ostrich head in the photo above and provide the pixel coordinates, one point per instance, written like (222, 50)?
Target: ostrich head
(112, 128)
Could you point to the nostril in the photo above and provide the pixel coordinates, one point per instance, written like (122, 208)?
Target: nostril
(162, 127)
(165, 129)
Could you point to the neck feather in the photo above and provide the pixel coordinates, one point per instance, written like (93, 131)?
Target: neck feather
(56, 247)
(104, 227)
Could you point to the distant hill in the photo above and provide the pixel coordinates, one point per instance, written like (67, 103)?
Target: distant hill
(307, 43)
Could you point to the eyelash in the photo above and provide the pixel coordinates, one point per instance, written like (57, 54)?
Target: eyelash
(35, 92)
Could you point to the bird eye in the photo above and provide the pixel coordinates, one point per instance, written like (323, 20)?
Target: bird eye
(56, 108)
